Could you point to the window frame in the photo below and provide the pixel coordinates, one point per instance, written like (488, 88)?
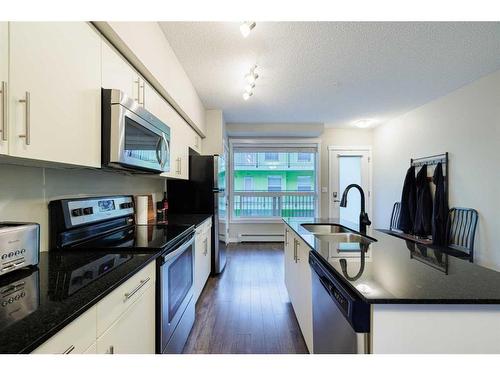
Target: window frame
(261, 145)
(310, 185)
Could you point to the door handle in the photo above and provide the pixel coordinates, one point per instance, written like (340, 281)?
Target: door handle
(27, 113)
(3, 130)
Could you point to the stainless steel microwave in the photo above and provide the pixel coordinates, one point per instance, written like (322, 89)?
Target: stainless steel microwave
(132, 138)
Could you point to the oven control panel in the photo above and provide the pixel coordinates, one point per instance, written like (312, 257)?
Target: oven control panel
(87, 211)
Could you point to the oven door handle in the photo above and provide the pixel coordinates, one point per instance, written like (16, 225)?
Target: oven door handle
(167, 150)
(158, 151)
(177, 251)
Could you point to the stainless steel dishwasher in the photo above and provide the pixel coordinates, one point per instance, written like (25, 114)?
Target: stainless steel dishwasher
(341, 320)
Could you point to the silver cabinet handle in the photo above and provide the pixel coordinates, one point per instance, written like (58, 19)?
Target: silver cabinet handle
(3, 130)
(136, 289)
(286, 237)
(205, 242)
(178, 165)
(143, 93)
(297, 252)
(138, 81)
(111, 350)
(27, 135)
(69, 350)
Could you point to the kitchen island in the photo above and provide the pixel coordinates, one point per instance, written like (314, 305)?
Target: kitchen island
(421, 299)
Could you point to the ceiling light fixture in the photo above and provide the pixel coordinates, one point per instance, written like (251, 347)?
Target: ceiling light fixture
(249, 87)
(364, 123)
(247, 95)
(252, 76)
(246, 27)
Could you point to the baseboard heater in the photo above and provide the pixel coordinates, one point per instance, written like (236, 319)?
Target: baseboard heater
(261, 237)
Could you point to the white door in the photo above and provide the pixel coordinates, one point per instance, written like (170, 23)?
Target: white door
(4, 73)
(349, 166)
(55, 92)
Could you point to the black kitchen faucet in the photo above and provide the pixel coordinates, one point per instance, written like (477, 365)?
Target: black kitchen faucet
(364, 221)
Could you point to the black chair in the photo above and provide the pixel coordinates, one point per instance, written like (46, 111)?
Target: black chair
(461, 230)
(396, 211)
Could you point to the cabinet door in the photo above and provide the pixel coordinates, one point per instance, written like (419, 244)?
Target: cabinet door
(117, 73)
(75, 338)
(134, 332)
(55, 96)
(304, 294)
(4, 74)
(92, 349)
(289, 261)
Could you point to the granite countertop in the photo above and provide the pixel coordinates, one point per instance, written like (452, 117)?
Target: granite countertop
(397, 271)
(188, 219)
(37, 302)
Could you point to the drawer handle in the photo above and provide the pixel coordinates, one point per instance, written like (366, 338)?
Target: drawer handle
(5, 104)
(111, 350)
(136, 289)
(69, 350)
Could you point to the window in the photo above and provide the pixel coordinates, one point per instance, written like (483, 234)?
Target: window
(273, 183)
(271, 156)
(304, 157)
(304, 183)
(248, 184)
(270, 182)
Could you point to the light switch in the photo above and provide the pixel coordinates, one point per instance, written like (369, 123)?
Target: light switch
(324, 189)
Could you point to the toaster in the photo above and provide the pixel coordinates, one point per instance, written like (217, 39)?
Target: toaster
(19, 245)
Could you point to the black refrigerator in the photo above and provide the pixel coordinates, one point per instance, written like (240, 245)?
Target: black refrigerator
(204, 193)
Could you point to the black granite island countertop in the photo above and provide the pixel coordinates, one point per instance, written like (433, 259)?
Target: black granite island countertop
(188, 219)
(395, 271)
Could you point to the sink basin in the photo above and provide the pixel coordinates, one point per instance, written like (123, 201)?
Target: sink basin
(325, 228)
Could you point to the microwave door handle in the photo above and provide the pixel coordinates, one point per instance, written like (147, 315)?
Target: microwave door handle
(167, 150)
(158, 151)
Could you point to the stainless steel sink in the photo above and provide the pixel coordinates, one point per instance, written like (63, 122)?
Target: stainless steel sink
(325, 228)
(344, 238)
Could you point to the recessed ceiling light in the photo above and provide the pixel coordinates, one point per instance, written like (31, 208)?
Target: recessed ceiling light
(249, 87)
(251, 77)
(247, 95)
(364, 123)
(246, 27)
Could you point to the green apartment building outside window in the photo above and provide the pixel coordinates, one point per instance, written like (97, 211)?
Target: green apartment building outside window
(273, 184)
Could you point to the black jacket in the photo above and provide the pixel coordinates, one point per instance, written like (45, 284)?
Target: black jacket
(423, 213)
(440, 208)
(408, 202)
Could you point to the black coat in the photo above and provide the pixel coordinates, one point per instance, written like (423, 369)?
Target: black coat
(423, 213)
(440, 208)
(408, 202)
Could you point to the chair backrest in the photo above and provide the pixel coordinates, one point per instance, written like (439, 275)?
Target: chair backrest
(461, 229)
(396, 210)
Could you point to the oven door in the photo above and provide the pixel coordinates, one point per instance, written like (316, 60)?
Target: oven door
(137, 144)
(176, 288)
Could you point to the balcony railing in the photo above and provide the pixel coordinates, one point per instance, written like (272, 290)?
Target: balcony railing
(273, 204)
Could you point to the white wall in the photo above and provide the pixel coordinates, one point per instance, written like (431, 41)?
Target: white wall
(466, 123)
(147, 48)
(26, 191)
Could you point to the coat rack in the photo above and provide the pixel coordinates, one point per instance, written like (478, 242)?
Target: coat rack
(433, 160)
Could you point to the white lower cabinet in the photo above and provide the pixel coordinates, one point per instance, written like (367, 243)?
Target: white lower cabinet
(134, 331)
(299, 283)
(122, 323)
(203, 256)
(75, 338)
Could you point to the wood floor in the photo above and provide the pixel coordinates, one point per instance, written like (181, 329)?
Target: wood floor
(247, 309)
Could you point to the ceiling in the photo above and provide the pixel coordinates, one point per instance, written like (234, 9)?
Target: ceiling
(331, 72)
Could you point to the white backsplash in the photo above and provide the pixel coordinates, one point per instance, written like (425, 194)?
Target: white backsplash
(26, 191)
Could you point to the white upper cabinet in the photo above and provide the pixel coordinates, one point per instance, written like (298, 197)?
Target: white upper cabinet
(117, 73)
(54, 92)
(4, 82)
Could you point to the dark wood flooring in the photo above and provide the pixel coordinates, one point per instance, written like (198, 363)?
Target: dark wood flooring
(247, 309)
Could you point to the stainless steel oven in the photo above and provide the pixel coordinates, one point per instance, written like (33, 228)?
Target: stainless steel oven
(176, 304)
(132, 137)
